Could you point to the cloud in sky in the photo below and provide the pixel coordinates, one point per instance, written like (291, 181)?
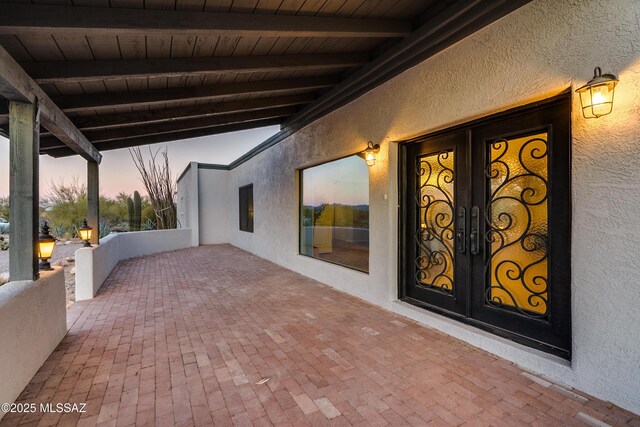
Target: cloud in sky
(117, 171)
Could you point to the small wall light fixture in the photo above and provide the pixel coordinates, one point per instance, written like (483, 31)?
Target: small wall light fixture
(85, 233)
(46, 242)
(596, 97)
(369, 153)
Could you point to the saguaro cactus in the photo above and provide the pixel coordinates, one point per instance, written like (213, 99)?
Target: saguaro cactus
(130, 212)
(137, 210)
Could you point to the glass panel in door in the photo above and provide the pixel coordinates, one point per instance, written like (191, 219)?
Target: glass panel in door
(434, 237)
(517, 224)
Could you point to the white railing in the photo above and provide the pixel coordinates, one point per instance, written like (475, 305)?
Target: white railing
(93, 265)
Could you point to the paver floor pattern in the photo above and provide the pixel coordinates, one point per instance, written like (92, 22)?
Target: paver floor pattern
(217, 336)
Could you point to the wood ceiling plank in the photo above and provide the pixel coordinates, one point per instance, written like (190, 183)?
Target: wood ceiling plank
(15, 47)
(243, 6)
(217, 5)
(160, 96)
(104, 47)
(197, 5)
(310, 7)
(40, 48)
(42, 19)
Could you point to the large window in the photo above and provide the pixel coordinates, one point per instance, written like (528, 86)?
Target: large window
(334, 217)
(246, 208)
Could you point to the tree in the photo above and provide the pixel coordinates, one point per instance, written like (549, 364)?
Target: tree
(160, 185)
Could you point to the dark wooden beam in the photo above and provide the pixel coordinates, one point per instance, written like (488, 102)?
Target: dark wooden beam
(103, 135)
(16, 85)
(41, 19)
(23, 190)
(78, 71)
(171, 114)
(168, 137)
(102, 101)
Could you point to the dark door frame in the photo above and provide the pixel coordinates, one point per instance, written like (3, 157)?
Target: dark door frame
(564, 163)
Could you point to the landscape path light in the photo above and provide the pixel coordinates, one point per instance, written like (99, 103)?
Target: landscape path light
(46, 242)
(85, 233)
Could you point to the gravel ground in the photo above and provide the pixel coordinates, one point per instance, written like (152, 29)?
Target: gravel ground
(61, 252)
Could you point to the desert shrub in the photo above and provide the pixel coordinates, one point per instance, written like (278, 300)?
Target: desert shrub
(148, 224)
(4, 208)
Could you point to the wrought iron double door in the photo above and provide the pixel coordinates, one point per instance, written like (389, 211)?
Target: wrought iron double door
(485, 217)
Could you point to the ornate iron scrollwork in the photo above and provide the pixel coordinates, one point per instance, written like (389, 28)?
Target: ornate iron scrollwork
(516, 218)
(434, 236)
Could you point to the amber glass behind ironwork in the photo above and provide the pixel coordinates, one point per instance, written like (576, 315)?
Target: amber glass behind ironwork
(334, 217)
(517, 224)
(434, 236)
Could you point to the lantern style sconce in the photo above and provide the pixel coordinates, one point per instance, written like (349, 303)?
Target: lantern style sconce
(46, 242)
(369, 154)
(85, 233)
(596, 97)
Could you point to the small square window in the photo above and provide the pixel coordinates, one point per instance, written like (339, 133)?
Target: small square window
(246, 208)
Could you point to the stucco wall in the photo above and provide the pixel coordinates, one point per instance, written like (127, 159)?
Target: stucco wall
(535, 52)
(93, 265)
(187, 209)
(33, 319)
(213, 196)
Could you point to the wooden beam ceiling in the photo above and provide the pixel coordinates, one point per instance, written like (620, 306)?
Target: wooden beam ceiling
(102, 135)
(454, 22)
(42, 19)
(173, 114)
(16, 85)
(79, 71)
(168, 137)
(109, 100)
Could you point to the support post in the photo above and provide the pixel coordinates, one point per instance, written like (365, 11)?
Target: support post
(93, 201)
(24, 147)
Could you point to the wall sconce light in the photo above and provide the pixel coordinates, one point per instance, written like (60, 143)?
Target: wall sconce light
(46, 242)
(596, 97)
(369, 153)
(85, 233)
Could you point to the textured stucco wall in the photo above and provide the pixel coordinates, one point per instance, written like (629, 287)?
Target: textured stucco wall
(213, 196)
(93, 265)
(537, 51)
(188, 202)
(33, 319)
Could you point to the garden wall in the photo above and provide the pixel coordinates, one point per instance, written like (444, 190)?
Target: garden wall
(33, 321)
(93, 265)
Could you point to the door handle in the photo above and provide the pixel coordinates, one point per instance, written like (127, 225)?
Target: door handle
(474, 236)
(461, 234)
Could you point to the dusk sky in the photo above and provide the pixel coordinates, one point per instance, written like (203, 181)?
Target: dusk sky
(344, 181)
(117, 171)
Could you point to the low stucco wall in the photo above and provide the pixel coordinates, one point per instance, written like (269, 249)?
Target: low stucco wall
(93, 265)
(33, 321)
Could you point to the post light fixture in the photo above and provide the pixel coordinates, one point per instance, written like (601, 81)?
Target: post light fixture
(85, 233)
(369, 153)
(596, 97)
(46, 242)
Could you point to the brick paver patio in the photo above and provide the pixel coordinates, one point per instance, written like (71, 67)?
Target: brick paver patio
(188, 337)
